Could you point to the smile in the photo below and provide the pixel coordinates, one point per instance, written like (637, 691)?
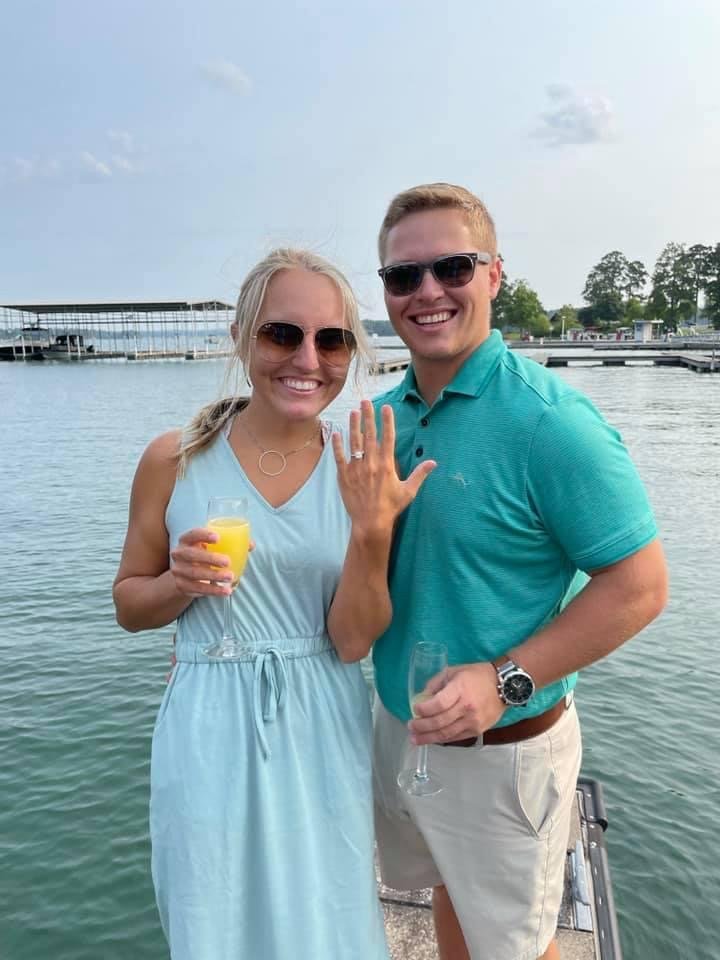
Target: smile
(306, 386)
(431, 319)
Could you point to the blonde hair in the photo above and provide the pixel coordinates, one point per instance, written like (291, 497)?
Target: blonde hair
(441, 196)
(211, 419)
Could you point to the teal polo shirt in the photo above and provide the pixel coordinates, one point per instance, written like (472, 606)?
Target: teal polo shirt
(532, 488)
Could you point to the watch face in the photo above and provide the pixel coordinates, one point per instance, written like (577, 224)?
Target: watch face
(518, 688)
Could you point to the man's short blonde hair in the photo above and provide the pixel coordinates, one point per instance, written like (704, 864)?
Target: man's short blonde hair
(441, 196)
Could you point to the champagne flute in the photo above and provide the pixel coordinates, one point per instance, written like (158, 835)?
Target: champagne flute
(429, 658)
(227, 517)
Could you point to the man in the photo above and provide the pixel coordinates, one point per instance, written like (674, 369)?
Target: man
(531, 551)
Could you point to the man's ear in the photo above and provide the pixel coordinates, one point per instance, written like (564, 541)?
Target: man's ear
(496, 272)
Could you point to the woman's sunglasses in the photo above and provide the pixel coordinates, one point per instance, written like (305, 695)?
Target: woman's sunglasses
(278, 341)
(402, 279)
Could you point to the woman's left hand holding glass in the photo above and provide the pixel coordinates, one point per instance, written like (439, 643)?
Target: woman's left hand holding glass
(371, 489)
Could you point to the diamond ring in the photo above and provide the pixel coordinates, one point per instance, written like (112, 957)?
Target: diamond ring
(357, 454)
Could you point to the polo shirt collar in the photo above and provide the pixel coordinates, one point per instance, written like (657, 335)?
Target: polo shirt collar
(471, 378)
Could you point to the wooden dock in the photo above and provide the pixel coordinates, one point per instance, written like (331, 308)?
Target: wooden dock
(389, 364)
(691, 361)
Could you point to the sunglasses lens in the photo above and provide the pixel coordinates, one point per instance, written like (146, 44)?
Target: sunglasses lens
(335, 344)
(278, 341)
(454, 271)
(402, 280)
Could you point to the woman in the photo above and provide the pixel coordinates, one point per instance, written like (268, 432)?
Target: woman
(260, 812)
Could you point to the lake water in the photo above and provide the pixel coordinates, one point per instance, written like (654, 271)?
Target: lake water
(78, 695)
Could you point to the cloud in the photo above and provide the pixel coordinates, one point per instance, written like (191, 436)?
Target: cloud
(574, 118)
(122, 140)
(22, 169)
(91, 163)
(125, 159)
(122, 163)
(227, 75)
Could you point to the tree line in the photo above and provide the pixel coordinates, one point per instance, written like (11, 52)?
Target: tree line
(683, 286)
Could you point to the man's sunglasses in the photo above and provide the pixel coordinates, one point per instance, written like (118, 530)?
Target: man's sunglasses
(402, 279)
(278, 341)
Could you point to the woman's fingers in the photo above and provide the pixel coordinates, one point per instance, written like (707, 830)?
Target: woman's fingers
(388, 433)
(202, 588)
(367, 413)
(338, 451)
(356, 438)
(419, 476)
(198, 535)
(198, 570)
(192, 556)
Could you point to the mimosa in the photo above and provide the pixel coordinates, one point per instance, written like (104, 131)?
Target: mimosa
(233, 541)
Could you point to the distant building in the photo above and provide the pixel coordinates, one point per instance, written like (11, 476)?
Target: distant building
(646, 330)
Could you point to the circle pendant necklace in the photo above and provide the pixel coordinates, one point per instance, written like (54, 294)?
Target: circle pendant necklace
(280, 458)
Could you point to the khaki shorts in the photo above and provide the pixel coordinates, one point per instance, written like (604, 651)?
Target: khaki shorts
(496, 836)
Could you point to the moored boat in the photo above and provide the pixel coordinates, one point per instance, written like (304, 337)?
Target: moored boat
(68, 346)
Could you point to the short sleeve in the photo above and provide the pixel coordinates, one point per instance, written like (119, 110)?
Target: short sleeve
(584, 487)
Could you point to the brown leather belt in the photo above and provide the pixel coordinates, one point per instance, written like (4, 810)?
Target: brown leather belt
(522, 730)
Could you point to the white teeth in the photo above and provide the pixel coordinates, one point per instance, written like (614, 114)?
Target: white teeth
(300, 384)
(433, 318)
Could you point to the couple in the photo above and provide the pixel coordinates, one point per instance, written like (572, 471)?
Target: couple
(482, 502)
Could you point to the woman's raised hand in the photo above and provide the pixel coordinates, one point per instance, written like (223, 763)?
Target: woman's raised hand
(373, 493)
(195, 567)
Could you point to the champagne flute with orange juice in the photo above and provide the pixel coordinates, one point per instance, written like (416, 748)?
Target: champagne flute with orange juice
(227, 517)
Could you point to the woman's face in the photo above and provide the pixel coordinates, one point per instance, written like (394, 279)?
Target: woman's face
(301, 386)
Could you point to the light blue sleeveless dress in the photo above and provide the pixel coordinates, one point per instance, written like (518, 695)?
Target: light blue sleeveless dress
(261, 803)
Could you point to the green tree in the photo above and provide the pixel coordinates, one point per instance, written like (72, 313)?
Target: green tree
(700, 257)
(672, 299)
(636, 278)
(586, 316)
(565, 319)
(525, 311)
(611, 285)
(634, 310)
(608, 310)
(712, 286)
(606, 281)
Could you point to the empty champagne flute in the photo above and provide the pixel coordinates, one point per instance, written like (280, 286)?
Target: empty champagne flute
(227, 517)
(429, 659)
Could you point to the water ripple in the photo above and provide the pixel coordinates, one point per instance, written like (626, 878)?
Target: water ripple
(79, 696)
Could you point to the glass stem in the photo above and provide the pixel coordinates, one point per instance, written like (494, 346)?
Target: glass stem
(227, 617)
(421, 763)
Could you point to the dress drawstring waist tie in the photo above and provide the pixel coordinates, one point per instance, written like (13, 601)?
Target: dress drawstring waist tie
(270, 674)
(269, 691)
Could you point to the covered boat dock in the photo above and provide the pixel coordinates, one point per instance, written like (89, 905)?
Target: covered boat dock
(116, 330)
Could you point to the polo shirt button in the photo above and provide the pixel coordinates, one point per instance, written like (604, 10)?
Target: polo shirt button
(424, 422)
(419, 452)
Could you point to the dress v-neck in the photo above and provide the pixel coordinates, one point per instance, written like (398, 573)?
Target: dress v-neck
(325, 432)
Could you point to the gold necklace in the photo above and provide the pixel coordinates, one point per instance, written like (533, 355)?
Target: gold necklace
(270, 452)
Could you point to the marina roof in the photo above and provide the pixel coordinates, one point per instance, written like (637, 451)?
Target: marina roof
(119, 306)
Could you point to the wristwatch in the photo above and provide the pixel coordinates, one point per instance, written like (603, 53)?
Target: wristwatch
(515, 686)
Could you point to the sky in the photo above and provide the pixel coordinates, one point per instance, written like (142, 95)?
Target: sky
(156, 149)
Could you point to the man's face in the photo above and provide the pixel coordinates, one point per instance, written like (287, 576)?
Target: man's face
(440, 324)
